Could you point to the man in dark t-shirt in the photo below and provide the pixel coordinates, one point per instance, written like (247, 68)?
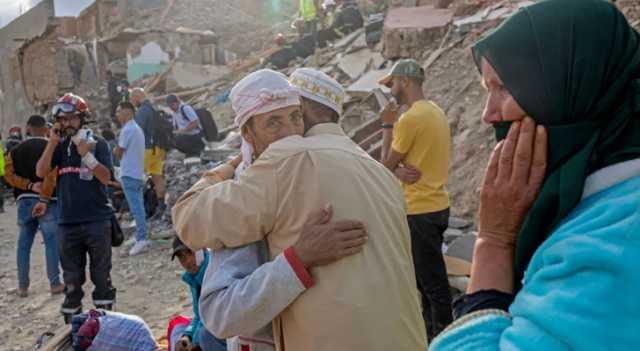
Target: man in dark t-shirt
(83, 167)
(37, 205)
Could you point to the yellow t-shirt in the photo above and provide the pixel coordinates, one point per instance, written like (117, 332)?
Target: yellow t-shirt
(422, 133)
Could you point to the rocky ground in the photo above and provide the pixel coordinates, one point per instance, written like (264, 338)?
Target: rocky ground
(148, 285)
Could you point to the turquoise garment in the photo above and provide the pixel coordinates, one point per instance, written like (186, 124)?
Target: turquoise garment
(580, 289)
(195, 283)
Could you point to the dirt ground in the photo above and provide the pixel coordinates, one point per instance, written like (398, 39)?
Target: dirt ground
(148, 286)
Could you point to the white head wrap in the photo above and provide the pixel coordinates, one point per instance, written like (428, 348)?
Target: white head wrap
(261, 92)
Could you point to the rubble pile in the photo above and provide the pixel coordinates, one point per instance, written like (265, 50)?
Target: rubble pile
(452, 81)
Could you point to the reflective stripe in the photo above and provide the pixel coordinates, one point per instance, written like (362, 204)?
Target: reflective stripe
(74, 310)
(102, 302)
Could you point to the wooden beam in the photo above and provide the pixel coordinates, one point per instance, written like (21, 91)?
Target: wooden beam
(151, 86)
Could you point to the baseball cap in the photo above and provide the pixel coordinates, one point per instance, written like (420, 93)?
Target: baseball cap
(171, 99)
(178, 246)
(403, 68)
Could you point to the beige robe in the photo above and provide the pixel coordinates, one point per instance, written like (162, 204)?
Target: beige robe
(368, 301)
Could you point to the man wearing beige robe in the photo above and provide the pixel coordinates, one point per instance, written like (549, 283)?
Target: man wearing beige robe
(368, 301)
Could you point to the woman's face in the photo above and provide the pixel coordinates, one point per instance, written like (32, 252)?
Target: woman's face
(501, 106)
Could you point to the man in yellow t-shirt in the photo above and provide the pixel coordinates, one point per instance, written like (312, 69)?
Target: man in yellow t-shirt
(416, 148)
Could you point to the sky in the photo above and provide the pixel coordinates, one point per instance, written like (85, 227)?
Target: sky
(10, 9)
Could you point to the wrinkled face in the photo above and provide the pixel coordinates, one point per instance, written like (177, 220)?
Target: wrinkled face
(70, 123)
(266, 128)
(174, 106)
(500, 106)
(188, 261)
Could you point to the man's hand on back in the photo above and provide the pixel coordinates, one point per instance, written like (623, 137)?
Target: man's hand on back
(39, 210)
(36, 187)
(408, 174)
(322, 242)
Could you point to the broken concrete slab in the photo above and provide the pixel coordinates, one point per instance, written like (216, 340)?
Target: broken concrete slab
(355, 64)
(367, 83)
(496, 13)
(188, 75)
(458, 223)
(348, 39)
(452, 234)
(462, 247)
(407, 31)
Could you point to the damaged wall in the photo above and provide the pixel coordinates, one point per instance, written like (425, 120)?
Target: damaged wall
(152, 51)
(51, 66)
(15, 108)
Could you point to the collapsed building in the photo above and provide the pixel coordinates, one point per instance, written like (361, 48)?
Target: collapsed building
(44, 55)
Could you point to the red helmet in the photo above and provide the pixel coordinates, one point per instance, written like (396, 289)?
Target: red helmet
(70, 103)
(15, 130)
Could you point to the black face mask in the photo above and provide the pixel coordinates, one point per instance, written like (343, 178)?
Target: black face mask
(501, 130)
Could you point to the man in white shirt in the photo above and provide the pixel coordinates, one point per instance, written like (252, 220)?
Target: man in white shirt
(187, 133)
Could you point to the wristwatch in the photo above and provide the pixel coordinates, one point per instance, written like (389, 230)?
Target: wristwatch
(387, 125)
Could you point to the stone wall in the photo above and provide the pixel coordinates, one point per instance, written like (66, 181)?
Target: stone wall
(14, 107)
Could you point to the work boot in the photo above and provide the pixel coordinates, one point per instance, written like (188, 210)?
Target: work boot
(106, 307)
(23, 292)
(68, 314)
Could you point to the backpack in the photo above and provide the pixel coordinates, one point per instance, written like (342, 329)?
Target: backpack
(207, 123)
(162, 130)
(150, 198)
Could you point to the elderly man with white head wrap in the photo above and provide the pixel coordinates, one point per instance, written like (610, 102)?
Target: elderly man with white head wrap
(367, 301)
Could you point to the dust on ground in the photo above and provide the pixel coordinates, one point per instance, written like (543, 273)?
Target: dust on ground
(148, 286)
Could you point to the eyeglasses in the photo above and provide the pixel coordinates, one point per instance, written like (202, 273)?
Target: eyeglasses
(63, 107)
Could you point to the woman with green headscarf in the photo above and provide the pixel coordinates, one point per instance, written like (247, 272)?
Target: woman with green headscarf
(554, 266)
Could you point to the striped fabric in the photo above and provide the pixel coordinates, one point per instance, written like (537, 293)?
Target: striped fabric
(121, 332)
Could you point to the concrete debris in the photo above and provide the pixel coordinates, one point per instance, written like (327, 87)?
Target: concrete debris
(462, 247)
(187, 75)
(367, 83)
(458, 223)
(494, 14)
(349, 39)
(452, 234)
(408, 30)
(355, 64)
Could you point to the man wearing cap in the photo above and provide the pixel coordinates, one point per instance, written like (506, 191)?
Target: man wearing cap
(83, 167)
(368, 301)
(37, 207)
(188, 136)
(416, 148)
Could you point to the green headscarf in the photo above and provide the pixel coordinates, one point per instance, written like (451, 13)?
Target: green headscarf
(574, 67)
